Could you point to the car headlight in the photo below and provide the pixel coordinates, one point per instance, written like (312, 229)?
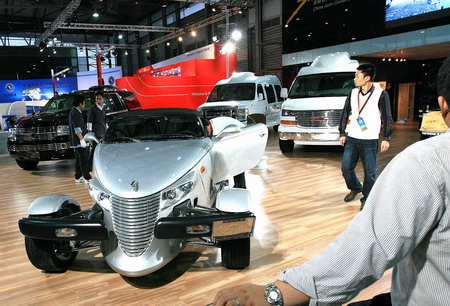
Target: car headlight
(102, 198)
(242, 114)
(173, 194)
(62, 130)
(12, 134)
(288, 112)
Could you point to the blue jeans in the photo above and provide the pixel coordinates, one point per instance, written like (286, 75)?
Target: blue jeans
(366, 149)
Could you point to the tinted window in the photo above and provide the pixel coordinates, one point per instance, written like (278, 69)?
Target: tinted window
(278, 92)
(232, 92)
(270, 93)
(323, 85)
(261, 91)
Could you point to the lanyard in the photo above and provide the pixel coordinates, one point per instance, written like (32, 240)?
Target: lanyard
(360, 109)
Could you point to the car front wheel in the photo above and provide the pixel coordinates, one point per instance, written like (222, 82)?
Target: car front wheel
(286, 146)
(52, 256)
(27, 164)
(235, 253)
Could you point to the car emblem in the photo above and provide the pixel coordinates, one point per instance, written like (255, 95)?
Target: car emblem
(135, 185)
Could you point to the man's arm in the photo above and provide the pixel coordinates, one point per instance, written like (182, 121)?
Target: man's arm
(344, 119)
(398, 215)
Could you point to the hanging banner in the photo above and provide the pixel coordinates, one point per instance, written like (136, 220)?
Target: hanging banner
(37, 89)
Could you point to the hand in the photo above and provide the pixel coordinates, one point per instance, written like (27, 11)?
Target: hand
(342, 140)
(246, 294)
(83, 143)
(384, 146)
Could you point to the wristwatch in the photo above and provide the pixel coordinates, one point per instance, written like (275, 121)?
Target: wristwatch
(273, 295)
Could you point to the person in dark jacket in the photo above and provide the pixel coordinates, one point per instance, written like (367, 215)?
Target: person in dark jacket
(96, 122)
(77, 130)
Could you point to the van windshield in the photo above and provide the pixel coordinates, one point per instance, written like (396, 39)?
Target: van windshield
(322, 85)
(232, 92)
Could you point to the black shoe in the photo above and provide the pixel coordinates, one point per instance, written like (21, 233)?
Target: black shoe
(351, 195)
(362, 205)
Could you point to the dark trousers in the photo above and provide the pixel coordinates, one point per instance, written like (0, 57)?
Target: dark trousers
(239, 181)
(354, 149)
(81, 163)
(383, 299)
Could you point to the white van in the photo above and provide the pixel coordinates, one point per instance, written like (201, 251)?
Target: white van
(312, 111)
(243, 95)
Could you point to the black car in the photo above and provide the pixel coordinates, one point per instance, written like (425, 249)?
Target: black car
(45, 135)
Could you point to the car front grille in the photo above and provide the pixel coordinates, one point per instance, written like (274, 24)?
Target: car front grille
(134, 222)
(38, 147)
(47, 133)
(318, 118)
(214, 112)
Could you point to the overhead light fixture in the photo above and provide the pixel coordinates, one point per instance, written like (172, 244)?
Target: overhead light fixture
(95, 14)
(126, 52)
(180, 38)
(168, 44)
(148, 51)
(193, 33)
(236, 35)
(120, 36)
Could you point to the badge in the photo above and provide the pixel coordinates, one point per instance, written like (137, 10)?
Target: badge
(362, 124)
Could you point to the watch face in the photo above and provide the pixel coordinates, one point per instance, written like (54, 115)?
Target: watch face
(273, 295)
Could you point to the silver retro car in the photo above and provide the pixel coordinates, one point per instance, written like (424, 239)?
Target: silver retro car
(159, 184)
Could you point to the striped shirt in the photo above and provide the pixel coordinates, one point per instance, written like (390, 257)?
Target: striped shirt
(405, 224)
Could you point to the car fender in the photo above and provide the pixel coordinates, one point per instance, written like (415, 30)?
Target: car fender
(233, 200)
(50, 203)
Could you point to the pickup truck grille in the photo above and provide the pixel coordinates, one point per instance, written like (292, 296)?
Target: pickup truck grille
(318, 118)
(134, 222)
(214, 112)
(47, 133)
(38, 147)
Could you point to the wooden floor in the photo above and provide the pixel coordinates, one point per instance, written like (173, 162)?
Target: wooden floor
(298, 201)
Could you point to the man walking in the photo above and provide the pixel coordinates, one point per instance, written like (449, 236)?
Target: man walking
(366, 109)
(76, 131)
(96, 122)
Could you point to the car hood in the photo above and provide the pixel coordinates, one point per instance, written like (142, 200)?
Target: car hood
(209, 105)
(45, 119)
(316, 103)
(154, 165)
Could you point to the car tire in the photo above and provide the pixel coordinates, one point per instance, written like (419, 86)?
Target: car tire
(235, 253)
(286, 146)
(27, 164)
(275, 128)
(52, 256)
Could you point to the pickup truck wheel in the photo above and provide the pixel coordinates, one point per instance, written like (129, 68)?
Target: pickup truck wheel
(27, 164)
(52, 256)
(286, 146)
(235, 253)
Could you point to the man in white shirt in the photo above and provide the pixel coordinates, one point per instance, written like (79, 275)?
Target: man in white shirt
(405, 226)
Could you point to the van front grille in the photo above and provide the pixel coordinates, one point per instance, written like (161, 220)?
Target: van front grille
(318, 118)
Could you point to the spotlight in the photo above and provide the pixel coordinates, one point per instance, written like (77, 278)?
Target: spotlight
(168, 44)
(126, 52)
(193, 33)
(147, 51)
(120, 36)
(236, 35)
(95, 14)
(180, 38)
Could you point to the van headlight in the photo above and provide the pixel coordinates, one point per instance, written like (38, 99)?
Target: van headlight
(102, 198)
(12, 134)
(242, 114)
(176, 192)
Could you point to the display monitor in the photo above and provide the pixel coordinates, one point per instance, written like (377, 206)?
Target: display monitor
(405, 12)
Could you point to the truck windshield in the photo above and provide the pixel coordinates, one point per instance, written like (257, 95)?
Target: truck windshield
(322, 85)
(232, 92)
(64, 103)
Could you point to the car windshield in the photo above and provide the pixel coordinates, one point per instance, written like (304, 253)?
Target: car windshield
(154, 127)
(322, 85)
(64, 103)
(232, 92)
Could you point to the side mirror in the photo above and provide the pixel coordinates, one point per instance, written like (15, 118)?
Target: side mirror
(229, 129)
(90, 137)
(260, 97)
(284, 93)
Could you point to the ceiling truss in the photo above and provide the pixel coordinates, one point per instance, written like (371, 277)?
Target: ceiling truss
(111, 27)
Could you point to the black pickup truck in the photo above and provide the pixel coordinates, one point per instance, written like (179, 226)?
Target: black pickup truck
(45, 135)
